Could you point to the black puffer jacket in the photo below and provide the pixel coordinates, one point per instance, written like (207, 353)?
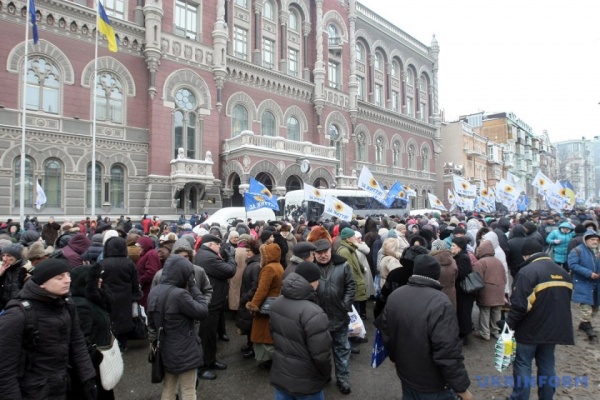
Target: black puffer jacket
(335, 293)
(218, 271)
(501, 231)
(518, 236)
(180, 346)
(121, 278)
(429, 358)
(60, 344)
(302, 358)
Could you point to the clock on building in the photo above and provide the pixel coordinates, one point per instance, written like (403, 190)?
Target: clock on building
(305, 166)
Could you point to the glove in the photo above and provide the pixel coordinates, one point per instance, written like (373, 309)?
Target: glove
(90, 390)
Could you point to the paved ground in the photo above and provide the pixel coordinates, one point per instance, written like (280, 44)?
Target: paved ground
(243, 380)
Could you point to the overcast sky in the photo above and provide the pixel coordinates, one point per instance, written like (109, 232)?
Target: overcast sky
(538, 59)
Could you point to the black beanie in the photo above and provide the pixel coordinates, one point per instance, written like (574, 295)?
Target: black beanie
(531, 246)
(308, 271)
(426, 265)
(48, 269)
(265, 235)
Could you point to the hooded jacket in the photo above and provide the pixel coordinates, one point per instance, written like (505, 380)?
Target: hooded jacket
(493, 274)
(502, 231)
(180, 346)
(449, 272)
(302, 357)
(75, 248)
(348, 251)
(500, 255)
(518, 236)
(583, 263)
(560, 249)
(147, 266)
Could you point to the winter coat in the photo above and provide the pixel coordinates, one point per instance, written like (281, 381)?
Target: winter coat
(390, 259)
(92, 252)
(449, 272)
(294, 262)
(269, 285)
(493, 274)
(429, 359)
(121, 278)
(335, 293)
(348, 251)
(464, 301)
(291, 242)
(218, 272)
(180, 346)
(560, 249)
(500, 255)
(541, 316)
(147, 266)
(363, 258)
(582, 264)
(518, 236)
(235, 283)
(302, 357)
(133, 251)
(249, 285)
(50, 233)
(75, 248)
(11, 282)
(60, 345)
(501, 231)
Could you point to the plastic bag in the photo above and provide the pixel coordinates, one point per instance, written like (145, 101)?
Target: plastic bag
(505, 349)
(356, 327)
(379, 353)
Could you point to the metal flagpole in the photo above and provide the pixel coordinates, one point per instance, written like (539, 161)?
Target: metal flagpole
(93, 169)
(24, 125)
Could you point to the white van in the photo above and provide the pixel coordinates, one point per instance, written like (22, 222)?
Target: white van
(226, 216)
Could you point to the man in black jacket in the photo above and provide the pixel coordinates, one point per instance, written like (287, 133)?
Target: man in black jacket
(502, 232)
(40, 338)
(219, 270)
(302, 358)
(335, 295)
(540, 315)
(429, 360)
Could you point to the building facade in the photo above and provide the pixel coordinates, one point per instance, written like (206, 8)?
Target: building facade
(201, 96)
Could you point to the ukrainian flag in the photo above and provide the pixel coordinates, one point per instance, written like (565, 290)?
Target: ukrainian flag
(105, 28)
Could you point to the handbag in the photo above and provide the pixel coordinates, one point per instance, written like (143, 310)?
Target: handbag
(265, 308)
(140, 328)
(111, 366)
(158, 369)
(472, 283)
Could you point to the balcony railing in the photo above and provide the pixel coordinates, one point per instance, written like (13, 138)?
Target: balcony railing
(248, 140)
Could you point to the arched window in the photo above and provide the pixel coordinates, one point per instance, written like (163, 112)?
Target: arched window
(117, 186)
(184, 123)
(43, 86)
(425, 157)
(410, 90)
(293, 129)
(268, 10)
(395, 69)
(109, 98)
(239, 120)
(379, 150)
(334, 36)
(97, 188)
(360, 52)
(293, 20)
(396, 154)
(268, 124)
(378, 62)
(53, 183)
(411, 157)
(361, 147)
(28, 182)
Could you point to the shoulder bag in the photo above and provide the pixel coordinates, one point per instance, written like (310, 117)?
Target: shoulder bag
(472, 283)
(111, 366)
(158, 368)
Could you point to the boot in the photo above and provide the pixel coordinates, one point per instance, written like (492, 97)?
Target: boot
(588, 329)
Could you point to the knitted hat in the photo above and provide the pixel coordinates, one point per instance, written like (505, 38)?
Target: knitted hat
(303, 249)
(48, 269)
(347, 233)
(308, 271)
(426, 265)
(439, 245)
(14, 249)
(460, 242)
(265, 235)
(98, 239)
(460, 230)
(531, 246)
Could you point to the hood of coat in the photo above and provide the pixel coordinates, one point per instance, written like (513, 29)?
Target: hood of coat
(518, 231)
(270, 253)
(566, 225)
(297, 288)
(79, 243)
(177, 271)
(492, 237)
(115, 247)
(473, 225)
(485, 249)
(504, 224)
(444, 257)
(530, 227)
(146, 243)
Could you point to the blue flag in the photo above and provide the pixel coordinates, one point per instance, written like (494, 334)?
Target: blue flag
(33, 17)
(522, 203)
(393, 194)
(258, 188)
(254, 201)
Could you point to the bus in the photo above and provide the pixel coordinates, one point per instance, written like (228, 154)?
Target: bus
(294, 206)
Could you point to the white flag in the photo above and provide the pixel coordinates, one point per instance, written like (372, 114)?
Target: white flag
(542, 182)
(311, 193)
(451, 198)
(367, 182)
(512, 179)
(463, 187)
(436, 203)
(337, 208)
(41, 196)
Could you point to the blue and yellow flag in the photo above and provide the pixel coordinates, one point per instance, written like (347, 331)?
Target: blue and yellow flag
(105, 28)
(33, 17)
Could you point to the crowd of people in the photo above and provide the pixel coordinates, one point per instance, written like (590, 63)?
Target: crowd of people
(96, 276)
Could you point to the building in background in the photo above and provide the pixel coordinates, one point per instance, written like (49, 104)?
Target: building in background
(201, 96)
(576, 164)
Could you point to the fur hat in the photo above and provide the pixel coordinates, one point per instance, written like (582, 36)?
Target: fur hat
(48, 269)
(14, 249)
(317, 233)
(531, 246)
(308, 271)
(426, 265)
(36, 251)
